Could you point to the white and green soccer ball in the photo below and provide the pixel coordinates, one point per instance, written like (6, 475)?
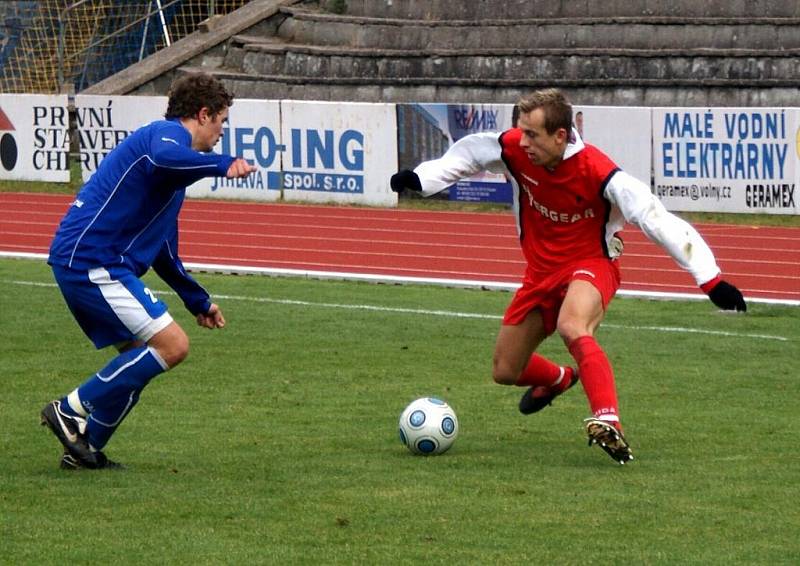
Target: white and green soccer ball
(428, 426)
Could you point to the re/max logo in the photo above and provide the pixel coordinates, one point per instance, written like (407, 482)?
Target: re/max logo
(470, 118)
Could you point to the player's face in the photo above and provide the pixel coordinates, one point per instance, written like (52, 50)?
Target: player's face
(209, 129)
(543, 148)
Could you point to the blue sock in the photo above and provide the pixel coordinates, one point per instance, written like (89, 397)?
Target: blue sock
(102, 423)
(112, 385)
(67, 409)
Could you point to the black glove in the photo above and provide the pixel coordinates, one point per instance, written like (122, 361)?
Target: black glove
(405, 179)
(726, 296)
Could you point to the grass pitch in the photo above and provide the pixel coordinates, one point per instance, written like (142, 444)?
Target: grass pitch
(276, 442)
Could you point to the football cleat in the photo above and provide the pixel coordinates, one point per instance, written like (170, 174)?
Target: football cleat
(530, 403)
(609, 438)
(69, 462)
(70, 433)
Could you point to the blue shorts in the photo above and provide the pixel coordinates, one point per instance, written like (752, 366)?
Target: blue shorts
(112, 305)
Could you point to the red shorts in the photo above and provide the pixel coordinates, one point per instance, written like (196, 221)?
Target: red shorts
(547, 294)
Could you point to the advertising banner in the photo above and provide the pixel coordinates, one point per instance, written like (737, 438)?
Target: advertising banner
(34, 138)
(338, 152)
(252, 132)
(727, 159)
(624, 134)
(426, 131)
(104, 121)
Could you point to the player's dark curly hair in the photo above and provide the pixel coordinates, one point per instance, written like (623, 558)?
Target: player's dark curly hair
(190, 93)
(557, 109)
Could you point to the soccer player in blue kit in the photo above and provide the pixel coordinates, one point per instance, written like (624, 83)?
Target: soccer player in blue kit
(123, 222)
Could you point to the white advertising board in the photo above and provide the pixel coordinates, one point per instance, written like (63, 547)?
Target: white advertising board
(727, 159)
(338, 152)
(104, 121)
(624, 134)
(34, 137)
(253, 132)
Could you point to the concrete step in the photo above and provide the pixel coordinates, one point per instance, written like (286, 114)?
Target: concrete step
(257, 57)
(641, 32)
(595, 91)
(494, 9)
(276, 44)
(617, 52)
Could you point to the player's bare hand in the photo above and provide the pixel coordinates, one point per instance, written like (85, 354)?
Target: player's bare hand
(240, 168)
(212, 319)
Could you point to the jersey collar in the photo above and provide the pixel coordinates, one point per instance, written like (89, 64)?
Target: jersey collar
(575, 144)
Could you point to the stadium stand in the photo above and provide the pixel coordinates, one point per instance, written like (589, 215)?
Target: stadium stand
(620, 52)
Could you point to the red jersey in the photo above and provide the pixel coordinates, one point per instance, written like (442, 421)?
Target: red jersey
(563, 214)
(573, 212)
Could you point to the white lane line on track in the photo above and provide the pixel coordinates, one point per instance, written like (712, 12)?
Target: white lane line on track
(505, 282)
(303, 210)
(325, 222)
(439, 278)
(452, 314)
(727, 273)
(510, 248)
(398, 241)
(329, 250)
(351, 253)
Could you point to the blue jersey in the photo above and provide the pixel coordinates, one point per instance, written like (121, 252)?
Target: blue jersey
(126, 215)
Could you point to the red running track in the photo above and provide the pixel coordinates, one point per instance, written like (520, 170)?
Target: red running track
(763, 261)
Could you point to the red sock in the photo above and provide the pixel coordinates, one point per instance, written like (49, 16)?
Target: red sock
(596, 377)
(541, 371)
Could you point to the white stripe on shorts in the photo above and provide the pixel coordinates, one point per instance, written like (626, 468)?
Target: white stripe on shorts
(127, 307)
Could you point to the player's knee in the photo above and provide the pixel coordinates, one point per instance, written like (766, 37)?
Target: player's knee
(503, 373)
(179, 351)
(172, 346)
(570, 329)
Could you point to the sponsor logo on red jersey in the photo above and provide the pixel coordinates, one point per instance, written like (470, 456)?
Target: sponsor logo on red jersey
(557, 216)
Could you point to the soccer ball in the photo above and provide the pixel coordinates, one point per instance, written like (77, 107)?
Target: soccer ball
(428, 426)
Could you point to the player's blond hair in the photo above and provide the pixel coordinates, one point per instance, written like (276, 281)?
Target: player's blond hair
(557, 109)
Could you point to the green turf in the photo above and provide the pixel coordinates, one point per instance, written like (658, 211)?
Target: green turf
(276, 442)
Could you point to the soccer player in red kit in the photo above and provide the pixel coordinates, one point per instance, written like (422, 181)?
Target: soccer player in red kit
(570, 201)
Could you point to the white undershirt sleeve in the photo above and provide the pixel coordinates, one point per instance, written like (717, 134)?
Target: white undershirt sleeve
(678, 238)
(468, 156)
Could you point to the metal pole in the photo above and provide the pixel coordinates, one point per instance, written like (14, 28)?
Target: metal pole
(146, 26)
(163, 23)
(61, 40)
